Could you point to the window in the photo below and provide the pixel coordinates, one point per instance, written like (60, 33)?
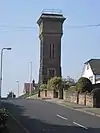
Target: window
(51, 50)
(51, 72)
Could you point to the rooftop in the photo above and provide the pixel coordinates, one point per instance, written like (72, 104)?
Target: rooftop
(51, 15)
(95, 65)
(52, 11)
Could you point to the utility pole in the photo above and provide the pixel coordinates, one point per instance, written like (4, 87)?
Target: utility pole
(1, 66)
(18, 87)
(30, 78)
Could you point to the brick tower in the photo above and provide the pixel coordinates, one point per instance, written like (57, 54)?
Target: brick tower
(51, 31)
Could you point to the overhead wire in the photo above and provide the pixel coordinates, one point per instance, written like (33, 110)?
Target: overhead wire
(29, 28)
(82, 26)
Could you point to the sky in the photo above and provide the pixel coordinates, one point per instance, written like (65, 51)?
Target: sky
(78, 44)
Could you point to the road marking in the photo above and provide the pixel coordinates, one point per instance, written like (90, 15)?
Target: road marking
(19, 123)
(62, 117)
(80, 125)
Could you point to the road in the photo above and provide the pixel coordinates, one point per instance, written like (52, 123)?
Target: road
(37, 116)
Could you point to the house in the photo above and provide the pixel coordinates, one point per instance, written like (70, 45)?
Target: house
(27, 87)
(91, 70)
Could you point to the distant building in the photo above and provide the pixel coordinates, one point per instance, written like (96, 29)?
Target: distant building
(91, 70)
(27, 87)
(11, 95)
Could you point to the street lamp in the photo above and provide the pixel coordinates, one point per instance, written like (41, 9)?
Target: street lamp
(30, 78)
(18, 87)
(1, 67)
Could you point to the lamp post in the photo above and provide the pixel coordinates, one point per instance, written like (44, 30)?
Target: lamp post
(18, 87)
(1, 68)
(30, 78)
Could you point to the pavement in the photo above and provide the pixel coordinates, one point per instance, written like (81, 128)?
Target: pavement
(40, 116)
(12, 125)
(78, 107)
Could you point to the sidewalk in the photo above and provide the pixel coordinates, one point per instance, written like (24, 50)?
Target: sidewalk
(33, 97)
(81, 108)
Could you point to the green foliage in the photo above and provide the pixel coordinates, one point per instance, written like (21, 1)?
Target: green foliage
(43, 87)
(55, 83)
(72, 89)
(3, 117)
(26, 95)
(84, 85)
(70, 81)
(67, 83)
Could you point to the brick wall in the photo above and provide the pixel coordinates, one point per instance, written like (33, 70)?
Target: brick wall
(89, 101)
(70, 96)
(84, 99)
(49, 94)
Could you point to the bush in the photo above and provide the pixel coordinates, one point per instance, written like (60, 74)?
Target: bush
(72, 89)
(55, 83)
(3, 117)
(84, 85)
(26, 95)
(43, 87)
(65, 84)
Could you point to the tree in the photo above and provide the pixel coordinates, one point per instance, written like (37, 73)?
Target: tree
(65, 84)
(43, 87)
(84, 85)
(11, 95)
(56, 84)
(68, 82)
(72, 89)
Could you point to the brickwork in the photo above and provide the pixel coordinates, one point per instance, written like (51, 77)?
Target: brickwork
(49, 94)
(84, 99)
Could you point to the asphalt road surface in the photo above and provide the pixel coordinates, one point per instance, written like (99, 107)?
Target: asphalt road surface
(37, 116)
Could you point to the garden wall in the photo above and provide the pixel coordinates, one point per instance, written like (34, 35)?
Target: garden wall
(46, 94)
(83, 99)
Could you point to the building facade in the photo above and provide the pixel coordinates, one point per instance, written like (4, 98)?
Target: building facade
(91, 70)
(51, 31)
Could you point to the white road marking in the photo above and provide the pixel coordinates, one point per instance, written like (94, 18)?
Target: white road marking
(19, 123)
(62, 117)
(80, 125)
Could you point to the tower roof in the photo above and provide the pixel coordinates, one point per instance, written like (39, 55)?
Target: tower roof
(51, 15)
